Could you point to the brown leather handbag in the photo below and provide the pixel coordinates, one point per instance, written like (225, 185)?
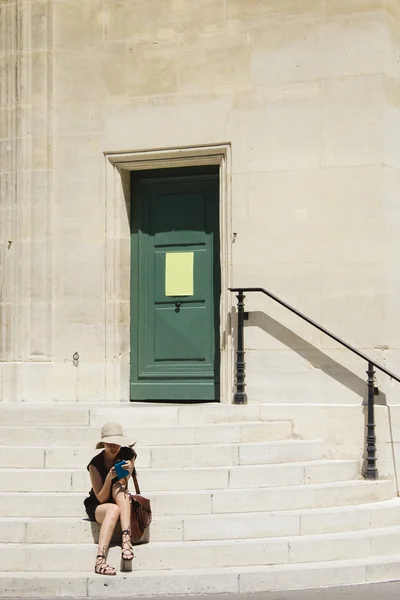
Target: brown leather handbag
(140, 516)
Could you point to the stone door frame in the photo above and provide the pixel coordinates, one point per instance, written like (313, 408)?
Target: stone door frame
(118, 166)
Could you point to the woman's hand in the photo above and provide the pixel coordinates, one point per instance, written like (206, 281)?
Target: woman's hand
(128, 466)
(111, 474)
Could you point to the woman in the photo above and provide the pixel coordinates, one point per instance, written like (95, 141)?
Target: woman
(109, 498)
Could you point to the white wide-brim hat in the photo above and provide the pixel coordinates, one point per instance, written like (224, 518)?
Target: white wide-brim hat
(111, 433)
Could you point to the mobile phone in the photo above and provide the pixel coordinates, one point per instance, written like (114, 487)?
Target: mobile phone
(119, 469)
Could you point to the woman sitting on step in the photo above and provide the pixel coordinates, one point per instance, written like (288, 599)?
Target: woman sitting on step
(109, 498)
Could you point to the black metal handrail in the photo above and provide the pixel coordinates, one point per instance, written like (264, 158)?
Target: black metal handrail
(240, 396)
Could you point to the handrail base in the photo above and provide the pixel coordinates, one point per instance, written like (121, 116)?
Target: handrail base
(240, 398)
(371, 474)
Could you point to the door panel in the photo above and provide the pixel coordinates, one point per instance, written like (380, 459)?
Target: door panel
(175, 286)
(171, 344)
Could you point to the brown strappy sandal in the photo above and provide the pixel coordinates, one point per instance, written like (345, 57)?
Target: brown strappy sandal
(126, 547)
(101, 567)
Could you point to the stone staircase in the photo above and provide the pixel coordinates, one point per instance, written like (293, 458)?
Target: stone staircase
(239, 504)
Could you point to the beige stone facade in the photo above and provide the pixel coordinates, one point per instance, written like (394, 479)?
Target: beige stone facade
(297, 100)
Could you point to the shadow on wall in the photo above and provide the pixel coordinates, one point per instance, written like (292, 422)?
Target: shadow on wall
(321, 361)
(313, 355)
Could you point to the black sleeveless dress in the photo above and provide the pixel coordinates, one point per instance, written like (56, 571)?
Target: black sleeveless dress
(91, 502)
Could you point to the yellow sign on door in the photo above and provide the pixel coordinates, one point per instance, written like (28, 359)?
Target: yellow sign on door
(179, 274)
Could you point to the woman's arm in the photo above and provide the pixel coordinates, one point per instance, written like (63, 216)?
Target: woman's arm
(130, 463)
(102, 491)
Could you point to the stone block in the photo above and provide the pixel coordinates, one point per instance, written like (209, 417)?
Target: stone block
(358, 90)
(241, 526)
(68, 457)
(12, 531)
(361, 279)
(174, 503)
(385, 542)
(391, 131)
(195, 456)
(352, 135)
(391, 7)
(72, 185)
(130, 117)
(83, 154)
(166, 529)
(351, 545)
(4, 124)
(353, 493)
(70, 531)
(386, 569)
(78, 76)
(335, 520)
(83, 118)
(206, 16)
(258, 579)
(287, 52)
(266, 475)
(24, 457)
(390, 34)
(127, 20)
(263, 499)
(115, 61)
(276, 452)
(78, 24)
(219, 62)
(35, 480)
(331, 471)
(42, 414)
(217, 413)
(209, 478)
(75, 334)
(295, 131)
(64, 377)
(168, 582)
(322, 575)
(42, 586)
(41, 504)
(40, 26)
(334, 8)
(151, 68)
(258, 10)
(386, 515)
(351, 45)
(261, 432)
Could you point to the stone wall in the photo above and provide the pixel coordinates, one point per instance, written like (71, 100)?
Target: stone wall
(304, 93)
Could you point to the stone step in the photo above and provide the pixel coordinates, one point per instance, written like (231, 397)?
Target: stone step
(75, 530)
(128, 414)
(59, 504)
(227, 580)
(197, 478)
(85, 436)
(200, 455)
(207, 554)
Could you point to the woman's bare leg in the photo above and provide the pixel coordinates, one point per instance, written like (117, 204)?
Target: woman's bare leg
(108, 515)
(122, 499)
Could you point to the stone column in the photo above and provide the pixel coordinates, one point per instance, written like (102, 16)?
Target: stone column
(26, 249)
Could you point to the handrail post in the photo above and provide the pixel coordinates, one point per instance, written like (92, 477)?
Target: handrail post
(240, 396)
(371, 470)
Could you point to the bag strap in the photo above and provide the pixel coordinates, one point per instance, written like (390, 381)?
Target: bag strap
(135, 481)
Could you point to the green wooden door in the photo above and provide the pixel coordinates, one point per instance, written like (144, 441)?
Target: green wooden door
(175, 285)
